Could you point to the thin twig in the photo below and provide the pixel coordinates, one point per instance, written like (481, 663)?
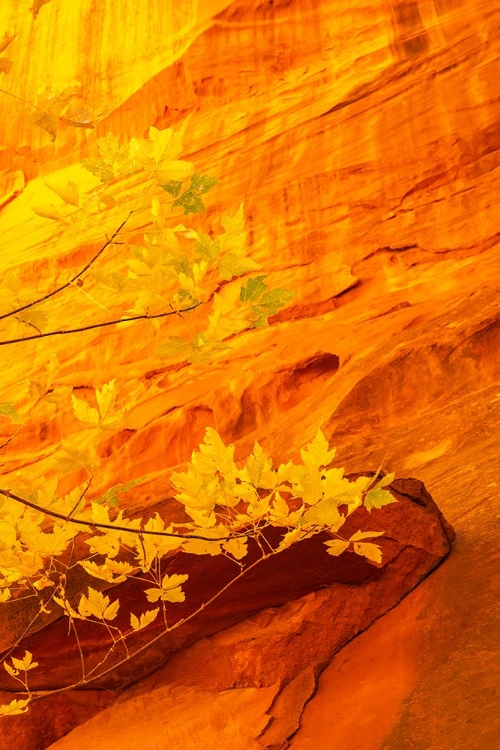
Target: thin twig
(145, 316)
(129, 530)
(147, 645)
(71, 281)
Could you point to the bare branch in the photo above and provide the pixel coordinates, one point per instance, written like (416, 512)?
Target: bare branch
(71, 281)
(98, 325)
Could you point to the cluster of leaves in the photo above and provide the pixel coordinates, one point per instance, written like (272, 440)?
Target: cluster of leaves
(170, 270)
(227, 505)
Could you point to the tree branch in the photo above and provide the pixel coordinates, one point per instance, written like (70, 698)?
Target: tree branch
(98, 325)
(112, 527)
(72, 281)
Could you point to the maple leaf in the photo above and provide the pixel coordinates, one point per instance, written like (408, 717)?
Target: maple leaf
(106, 400)
(48, 122)
(377, 498)
(69, 193)
(25, 663)
(234, 236)
(279, 509)
(9, 410)
(201, 547)
(52, 543)
(237, 547)
(146, 618)
(98, 605)
(50, 211)
(227, 318)
(214, 455)
(170, 589)
(84, 412)
(324, 513)
(317, 454)
(34, 317)
(253, 289)
(15, 707)
(111, 570)
(364, 535)
(74, 459)
(291, 537)
(233, 264)
(113, 161)
(258, 470)
(51, 105)
(370, 551)
(336, 547)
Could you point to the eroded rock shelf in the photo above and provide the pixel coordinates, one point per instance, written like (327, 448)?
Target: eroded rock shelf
(364, 140)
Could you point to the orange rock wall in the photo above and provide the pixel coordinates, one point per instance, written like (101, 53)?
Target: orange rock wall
(364, 141)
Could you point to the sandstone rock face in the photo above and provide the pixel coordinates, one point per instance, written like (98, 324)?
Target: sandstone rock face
(416, 541)
(365, 143)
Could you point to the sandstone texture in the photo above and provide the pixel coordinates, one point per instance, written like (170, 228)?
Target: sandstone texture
(364, 140)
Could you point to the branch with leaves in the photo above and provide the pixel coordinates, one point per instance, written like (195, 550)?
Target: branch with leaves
(170, 270)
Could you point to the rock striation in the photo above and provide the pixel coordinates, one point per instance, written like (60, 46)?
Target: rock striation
(365, 144)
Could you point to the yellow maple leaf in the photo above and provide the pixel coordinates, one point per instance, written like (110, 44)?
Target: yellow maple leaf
(84, 412)
(170, 589)
(336, 547)
(98, 605)
(370, 551)
(145, 619)
(15, 707)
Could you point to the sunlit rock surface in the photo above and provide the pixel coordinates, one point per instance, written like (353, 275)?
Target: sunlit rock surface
(364, 141)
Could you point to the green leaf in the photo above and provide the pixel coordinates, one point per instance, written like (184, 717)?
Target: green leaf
(191, 203)
(202, 183)
(253, 289)
(377, 498)
(175, 346)
(173, 187)
(384, 481)
(34, 317)
(8, 410)
(235, 265)
(206, 248)
(275, 299)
